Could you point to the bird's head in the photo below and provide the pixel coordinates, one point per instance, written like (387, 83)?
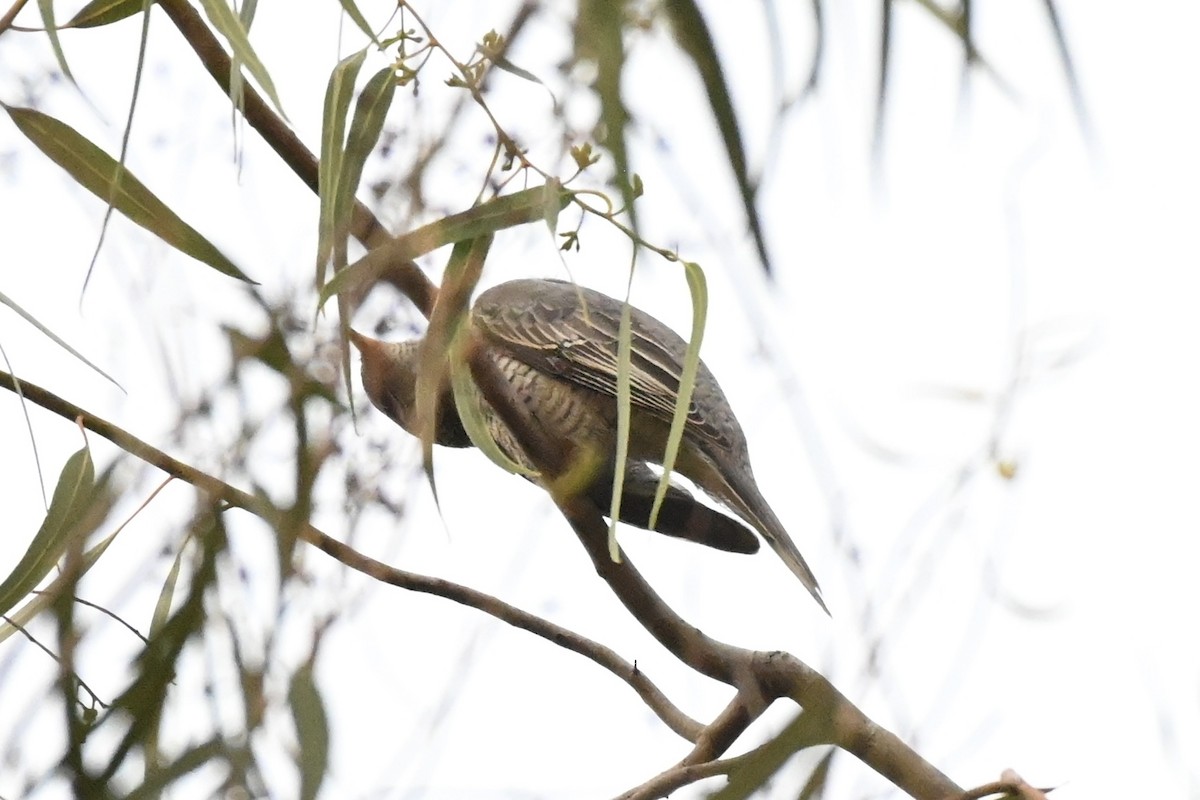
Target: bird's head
(389, 376)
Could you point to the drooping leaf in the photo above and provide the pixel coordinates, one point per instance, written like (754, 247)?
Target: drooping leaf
(39, 602)
(450, 313)
(467, 402)
(77, 498)
(356, 16)
(104, 12)
(624, 416)
(46, 7)
(162, 608)
(692, 34)
(229, 25)
(698, 287)
(339, 91)
(599, 28)
(370, 111)
(52, 336)
(101, 175)
(312, 730)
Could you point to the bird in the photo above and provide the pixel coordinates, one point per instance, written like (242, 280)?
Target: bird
(556, 343)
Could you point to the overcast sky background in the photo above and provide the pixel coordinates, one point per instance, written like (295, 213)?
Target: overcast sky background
(995, 279)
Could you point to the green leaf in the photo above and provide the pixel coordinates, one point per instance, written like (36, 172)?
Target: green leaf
(338, 93)
(694, 38)
(46, 7)
(162, 608)
(446, 320)
(482, 220)
(624, 419)
(54, 338)
(97, 172)
(698, 287)
(370, 111)
(356, 16)
(75, 492)
(469, 403)
(598, 38)
(312, 730)
(551, 205)
(104, 12)
(40, 601)
(229, 25)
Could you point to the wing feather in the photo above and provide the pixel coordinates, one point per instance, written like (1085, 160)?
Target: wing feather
(572, 333)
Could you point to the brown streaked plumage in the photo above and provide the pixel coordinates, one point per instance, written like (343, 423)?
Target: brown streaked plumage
(557, 345)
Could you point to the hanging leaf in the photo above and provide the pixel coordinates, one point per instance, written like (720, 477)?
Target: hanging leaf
(229, 25)
(698, 287)
(694, 38)
(599, 28)
(105, 12)
(101, 175)
(338, 93)
(370, 111)
(312, 730)
(79, 503)
(356, 16)
(46, 7)
(49, 334)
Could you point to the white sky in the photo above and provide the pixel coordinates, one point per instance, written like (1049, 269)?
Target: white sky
(1047, 623)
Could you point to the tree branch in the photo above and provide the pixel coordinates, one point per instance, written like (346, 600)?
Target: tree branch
(671, 715)
(759, 677)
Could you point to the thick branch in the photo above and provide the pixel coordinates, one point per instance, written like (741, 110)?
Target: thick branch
(674, 718)
(759, 677)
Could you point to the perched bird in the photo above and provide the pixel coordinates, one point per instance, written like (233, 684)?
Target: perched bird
(556, 344)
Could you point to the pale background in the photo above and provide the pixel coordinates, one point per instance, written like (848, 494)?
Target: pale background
(999, 276)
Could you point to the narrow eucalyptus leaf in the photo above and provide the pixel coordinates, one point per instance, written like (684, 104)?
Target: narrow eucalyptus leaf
(356, 16)
(52, 336)
(101, 175)
(229, 25)
(698, 287)
(104, 12)
(487, 218)
(71, 495)
(693, 36)
(46, 7)
(312, 730)
(339, 91)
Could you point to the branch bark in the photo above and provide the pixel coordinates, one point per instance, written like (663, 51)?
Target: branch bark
(759, 678)
(219, 490)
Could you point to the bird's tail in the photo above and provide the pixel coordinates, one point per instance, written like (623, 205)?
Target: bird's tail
(748, 502)
(681, 515)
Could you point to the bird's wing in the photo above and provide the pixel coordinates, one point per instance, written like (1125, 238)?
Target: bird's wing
(572, 333)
